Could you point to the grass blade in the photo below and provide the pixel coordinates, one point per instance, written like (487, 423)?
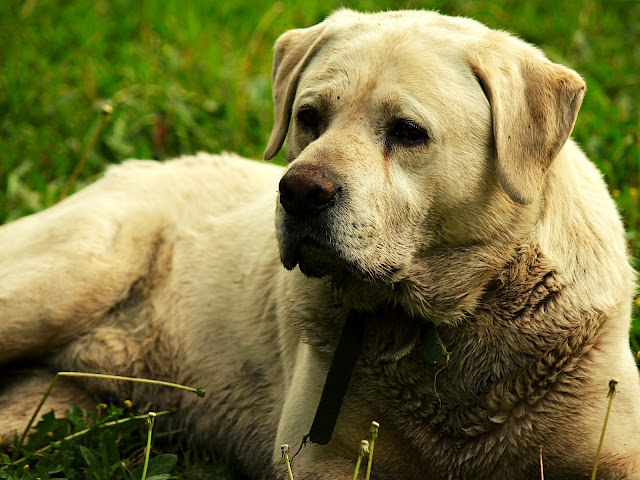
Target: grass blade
(87, 430)
(33, 417)
(198, 391)
(105, 113)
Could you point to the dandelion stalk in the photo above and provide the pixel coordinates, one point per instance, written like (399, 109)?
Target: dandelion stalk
(198, 391)
(541, 464)
(285, 458)
(364, 450)
(611, 394)
(105, 113)
(252, 47)
(373, 434)
(147, 451)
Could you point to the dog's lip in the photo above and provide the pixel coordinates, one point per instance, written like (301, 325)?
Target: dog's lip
(314, 258)
(308, 241)
(306, 245)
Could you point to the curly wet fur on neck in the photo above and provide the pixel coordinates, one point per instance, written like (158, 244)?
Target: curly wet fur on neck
(507, 358)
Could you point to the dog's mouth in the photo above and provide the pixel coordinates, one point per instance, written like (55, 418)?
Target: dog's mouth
(322, 246)
(315, 259)
(318, 259)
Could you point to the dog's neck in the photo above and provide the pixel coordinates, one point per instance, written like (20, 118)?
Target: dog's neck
(503, 359)
(431, 288)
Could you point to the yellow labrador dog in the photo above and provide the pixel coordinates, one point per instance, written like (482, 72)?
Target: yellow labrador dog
(433, 190)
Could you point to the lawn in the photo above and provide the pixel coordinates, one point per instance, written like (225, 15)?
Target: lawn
(180, 77)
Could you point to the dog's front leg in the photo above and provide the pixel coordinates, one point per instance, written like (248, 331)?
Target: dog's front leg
(301, 399)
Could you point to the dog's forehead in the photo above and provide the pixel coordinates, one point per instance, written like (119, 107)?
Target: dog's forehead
(392, 55)
(410, 46)
(415, 21)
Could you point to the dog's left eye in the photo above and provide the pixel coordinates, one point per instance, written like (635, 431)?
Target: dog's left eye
(407, 133)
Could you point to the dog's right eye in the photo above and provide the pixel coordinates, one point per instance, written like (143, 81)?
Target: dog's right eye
(408, 133)
(308, 119)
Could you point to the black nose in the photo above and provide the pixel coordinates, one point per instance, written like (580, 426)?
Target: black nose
(306, 190)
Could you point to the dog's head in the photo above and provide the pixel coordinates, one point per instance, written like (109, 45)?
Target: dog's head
(409, 133)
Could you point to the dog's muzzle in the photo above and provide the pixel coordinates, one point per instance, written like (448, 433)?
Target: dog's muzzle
(309, 195)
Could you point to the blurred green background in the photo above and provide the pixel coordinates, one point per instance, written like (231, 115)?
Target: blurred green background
(185, 76)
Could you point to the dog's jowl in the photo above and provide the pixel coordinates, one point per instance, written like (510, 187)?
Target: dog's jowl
(433, 190)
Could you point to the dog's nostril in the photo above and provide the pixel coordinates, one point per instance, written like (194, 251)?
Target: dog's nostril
(320, 195)
(307, 190)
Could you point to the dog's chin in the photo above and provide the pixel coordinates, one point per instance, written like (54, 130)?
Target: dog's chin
(317, 260)
(313, 259)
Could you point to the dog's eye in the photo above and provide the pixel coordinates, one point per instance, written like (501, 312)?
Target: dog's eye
(308, 118)
(407, 133)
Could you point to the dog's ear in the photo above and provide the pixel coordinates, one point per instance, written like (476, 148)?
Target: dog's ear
(534, 104)
(293, 52)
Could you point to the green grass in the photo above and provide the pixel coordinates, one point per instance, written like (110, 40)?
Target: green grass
(108, 443)
(188, 76)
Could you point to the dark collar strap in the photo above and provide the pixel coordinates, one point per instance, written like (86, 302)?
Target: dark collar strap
(343, 363)
(335, 386)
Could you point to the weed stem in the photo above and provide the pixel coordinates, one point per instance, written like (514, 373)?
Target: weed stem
(373, 434)
(147, 451)
(197, 391)
(285, 458)
(611, 394)
(364, 450)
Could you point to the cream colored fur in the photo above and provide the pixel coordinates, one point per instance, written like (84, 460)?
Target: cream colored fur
(496, 228)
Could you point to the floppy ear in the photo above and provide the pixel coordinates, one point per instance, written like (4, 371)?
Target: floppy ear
(293, 52)
(534, 104)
